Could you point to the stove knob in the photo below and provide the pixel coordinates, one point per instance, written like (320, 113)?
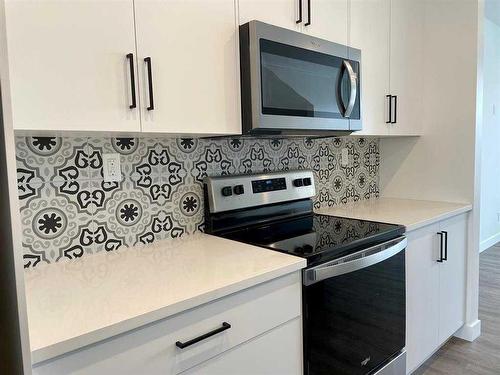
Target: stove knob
(298, 182)
(227, 191)
(299, 250)
(239, 189)
(308, 249)
(307, 181)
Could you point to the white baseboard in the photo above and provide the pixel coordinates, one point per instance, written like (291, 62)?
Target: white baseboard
(489, 242)
(469, 332)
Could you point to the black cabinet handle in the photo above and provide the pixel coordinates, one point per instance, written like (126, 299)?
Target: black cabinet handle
(441, 235)
(183, 345)
(445, 245)
(395, 97)
(389, 98)
(308, 13)
(130, 57)
(300, 12)
(150, 84)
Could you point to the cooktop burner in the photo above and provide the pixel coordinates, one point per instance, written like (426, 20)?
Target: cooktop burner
(316, 237)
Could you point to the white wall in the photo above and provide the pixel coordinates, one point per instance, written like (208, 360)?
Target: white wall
(490, 153)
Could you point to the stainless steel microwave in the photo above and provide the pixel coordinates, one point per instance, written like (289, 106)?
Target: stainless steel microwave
(293, 83)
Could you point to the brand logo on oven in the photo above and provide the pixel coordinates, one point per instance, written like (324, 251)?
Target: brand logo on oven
(315, 44)
(365, 361)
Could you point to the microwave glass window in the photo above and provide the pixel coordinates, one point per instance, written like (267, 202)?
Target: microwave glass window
(300, 82)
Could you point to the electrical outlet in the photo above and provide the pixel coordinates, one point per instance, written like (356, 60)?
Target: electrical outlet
(111, 167)
(345, 157)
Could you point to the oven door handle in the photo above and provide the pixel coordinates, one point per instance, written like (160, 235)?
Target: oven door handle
(350, 263)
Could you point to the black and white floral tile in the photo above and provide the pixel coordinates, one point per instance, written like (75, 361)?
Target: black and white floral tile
(67, 210)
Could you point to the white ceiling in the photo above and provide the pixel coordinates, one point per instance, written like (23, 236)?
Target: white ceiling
(492, 10)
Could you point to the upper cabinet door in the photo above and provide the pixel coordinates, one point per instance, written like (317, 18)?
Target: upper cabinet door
(370, 32)
(188, 66)
(68, 64)
(328, 19)
(283, 13)
(406, 65)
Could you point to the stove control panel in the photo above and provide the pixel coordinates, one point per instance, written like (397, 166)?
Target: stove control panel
(271, 184)
(227, 193)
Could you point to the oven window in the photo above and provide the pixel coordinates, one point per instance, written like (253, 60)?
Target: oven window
(300, 82)
(354, 322)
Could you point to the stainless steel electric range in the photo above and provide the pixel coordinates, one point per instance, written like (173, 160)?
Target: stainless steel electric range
(354, 283)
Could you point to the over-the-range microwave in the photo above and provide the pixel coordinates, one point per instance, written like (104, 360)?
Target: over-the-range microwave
(293, 83)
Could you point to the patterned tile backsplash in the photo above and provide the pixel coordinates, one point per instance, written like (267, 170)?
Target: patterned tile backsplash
(67, 210)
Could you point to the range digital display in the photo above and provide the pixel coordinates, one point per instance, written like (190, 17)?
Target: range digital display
(272, 184)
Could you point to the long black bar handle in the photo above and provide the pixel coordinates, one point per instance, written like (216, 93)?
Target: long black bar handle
(445, 245)
(182, 345)
(308, 13)
(395, 109)
(147, 60)
(389, 99)
(300, 12)
(130, 57)
(440, 260)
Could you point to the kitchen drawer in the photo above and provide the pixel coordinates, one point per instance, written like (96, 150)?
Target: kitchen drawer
(277, 352)
(152, 350)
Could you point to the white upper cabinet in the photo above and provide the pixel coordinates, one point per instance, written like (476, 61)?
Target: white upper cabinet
(370, 32)
(68, 67)
(193, 52)
(283, 13)
(327, 19)
(390, 36)
(406, 65)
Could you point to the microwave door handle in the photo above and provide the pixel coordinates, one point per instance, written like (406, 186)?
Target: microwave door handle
(363, 259)
(353, 78)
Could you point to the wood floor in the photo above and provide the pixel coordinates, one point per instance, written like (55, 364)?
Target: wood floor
(482, 356)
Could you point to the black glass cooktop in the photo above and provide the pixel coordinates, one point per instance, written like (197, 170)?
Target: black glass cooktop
(317, 237)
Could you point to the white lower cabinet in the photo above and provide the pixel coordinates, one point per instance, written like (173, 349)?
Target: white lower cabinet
(265, 329)
(277, 352)
(435, 290)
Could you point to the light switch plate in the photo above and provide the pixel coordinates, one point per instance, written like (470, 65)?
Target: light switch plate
(345, 157)
(111, 167)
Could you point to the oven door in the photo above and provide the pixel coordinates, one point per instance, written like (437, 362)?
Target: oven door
(354, 311)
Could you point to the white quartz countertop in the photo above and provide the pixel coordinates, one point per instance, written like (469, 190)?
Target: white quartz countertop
(411, 213)
(79, 302)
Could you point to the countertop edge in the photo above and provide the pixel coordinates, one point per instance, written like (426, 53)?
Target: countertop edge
(38, 356)
(441, 217)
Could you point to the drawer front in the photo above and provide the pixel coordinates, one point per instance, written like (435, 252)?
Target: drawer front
(152, 350)
(277, 352)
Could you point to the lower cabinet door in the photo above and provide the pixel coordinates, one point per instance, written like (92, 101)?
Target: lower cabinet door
(277, 352)
(452, 278)
(422, 310)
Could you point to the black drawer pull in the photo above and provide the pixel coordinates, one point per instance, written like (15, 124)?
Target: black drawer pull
(308, 13)
(395, 120)
(151, 106)
(389, 97)
(130, 58)
(183, 345)
(445, 245)
(300, 12)
(441, 235)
